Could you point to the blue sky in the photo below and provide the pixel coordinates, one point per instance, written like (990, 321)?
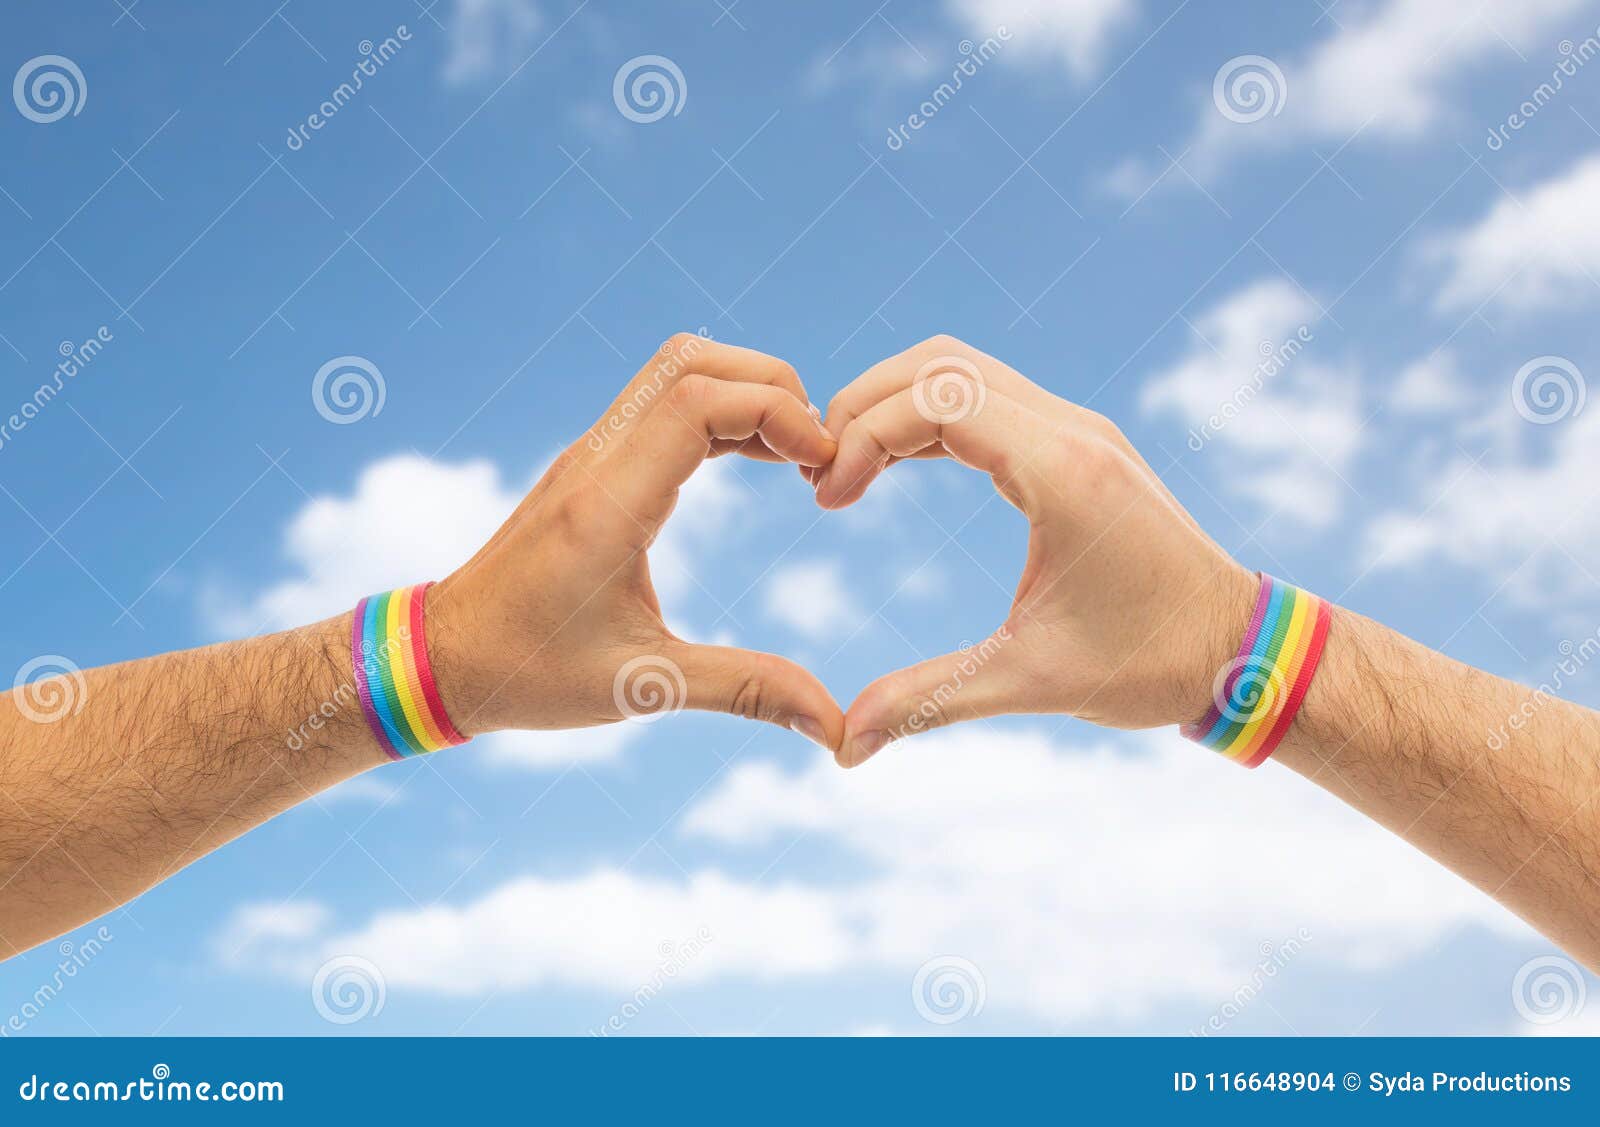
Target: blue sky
(1100, 204)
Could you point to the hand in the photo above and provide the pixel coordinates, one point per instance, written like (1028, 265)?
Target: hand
(555, 623)
(1125, 611)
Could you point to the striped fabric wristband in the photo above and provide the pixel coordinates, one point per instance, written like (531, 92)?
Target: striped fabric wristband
(1259, 692)
(389, 652)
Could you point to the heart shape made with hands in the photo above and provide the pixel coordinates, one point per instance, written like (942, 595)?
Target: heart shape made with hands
(1114, 567)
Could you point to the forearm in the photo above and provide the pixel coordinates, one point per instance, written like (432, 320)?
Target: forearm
(168, 758)
(1491, 778)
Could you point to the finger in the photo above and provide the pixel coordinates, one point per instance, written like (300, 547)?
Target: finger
(927, 361)
(672, 440)
(759, 686)
(684, 353)
(998, 435)
(969, 684)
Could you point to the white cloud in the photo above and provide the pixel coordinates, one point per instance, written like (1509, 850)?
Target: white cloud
(547, 750)
(1429, 386)
(1085, 884)
(488, 38)
(812, 598)
(1075, 32)
(606, 930)
(1390, 70)
(1526, 520)
(1537, 248)
(1295, 435)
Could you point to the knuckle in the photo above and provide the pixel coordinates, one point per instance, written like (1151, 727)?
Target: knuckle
(749, 697)
(689, 391)
(942, 343)
(678, 343)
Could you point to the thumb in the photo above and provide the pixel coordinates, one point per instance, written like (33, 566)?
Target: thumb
(759, 686)
(974, 682)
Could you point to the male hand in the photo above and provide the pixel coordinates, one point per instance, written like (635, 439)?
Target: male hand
(1125, 610)
(555, 623)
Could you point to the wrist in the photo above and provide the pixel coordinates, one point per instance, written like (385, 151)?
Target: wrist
(1225, 616)
(394, 675)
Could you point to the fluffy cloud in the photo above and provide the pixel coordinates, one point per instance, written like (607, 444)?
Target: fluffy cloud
(1524, 516)
(1084, 883)
(1430, 386)
(1250, 389)
(1388, 70)
(488, 38)
(1535, 249)
(812, 598)
(1074, 31)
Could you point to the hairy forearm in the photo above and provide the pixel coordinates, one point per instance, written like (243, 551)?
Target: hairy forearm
(167, 759)
(1493, 779)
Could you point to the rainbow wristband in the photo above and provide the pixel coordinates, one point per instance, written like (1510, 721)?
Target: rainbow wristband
(389, 652)
(1260, 691)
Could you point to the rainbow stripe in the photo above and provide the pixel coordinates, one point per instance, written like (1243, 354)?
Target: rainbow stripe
(1264, 686)
(389, 653)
